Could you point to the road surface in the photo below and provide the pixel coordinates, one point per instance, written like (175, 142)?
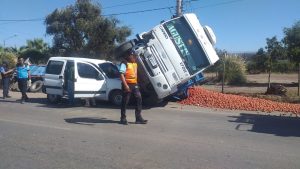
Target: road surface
(38, 135)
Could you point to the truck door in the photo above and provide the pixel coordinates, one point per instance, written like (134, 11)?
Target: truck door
(89, 81)
(54, 80)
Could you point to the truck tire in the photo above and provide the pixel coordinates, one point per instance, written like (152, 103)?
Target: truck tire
(53, 98)
(36, 86)
(120, 50)
(115, 97)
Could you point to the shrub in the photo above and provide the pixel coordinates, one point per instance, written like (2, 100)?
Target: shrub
(9, 57)
(235, 70)
(284, 66)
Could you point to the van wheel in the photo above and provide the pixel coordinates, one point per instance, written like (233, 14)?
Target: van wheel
(53, 98)
(15, 87)
(115, 97)
(120, 50)
(36, 86)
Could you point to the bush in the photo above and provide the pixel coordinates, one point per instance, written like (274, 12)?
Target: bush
(284, 66)
(235, 70)
(9, 57)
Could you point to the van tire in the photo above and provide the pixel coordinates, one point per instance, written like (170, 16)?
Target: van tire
(14, 87)
(36, 86)
(120, 50)
(115, 97)
(53, 98)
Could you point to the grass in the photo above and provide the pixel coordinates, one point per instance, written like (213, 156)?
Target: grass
(257, 86)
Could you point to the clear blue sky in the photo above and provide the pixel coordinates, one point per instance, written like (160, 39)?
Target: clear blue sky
(240, 25)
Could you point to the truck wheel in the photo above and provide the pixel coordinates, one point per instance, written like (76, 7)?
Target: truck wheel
(115, 97)
(36, 86)
(120, 50)
(53, 98)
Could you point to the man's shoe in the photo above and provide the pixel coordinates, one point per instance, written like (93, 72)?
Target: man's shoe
(3, 97)
(8, 96)
(123, 121)
(141, 121)
(22, 101)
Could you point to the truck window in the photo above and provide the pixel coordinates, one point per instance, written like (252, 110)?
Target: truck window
(87, 71)
(54, 67)
(110, 70)
(187, 45)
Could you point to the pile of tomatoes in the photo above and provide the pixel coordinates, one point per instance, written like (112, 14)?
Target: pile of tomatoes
(206, 98)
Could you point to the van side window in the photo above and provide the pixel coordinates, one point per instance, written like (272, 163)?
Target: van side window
(87, 71)
(54, 67)
(110, 70)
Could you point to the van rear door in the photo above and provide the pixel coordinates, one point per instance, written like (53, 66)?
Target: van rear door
(54, 80)
(89, 81)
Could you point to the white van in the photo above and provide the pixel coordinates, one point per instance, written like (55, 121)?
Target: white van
(94, 78)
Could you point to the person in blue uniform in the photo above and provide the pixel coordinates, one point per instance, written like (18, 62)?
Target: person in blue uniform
(23, 75)
(5, 74)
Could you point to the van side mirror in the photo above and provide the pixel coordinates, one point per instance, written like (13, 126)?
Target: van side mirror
(100, 77)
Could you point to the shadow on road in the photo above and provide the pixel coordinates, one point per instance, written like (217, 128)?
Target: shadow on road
(277, 125)
(89, 120)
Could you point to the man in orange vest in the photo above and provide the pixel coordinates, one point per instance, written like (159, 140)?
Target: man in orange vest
(128, 75)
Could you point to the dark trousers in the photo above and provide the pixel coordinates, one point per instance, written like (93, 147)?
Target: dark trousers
(5, 86)
(135, 91)
(22, 84)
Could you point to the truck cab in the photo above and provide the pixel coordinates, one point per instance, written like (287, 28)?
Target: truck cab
(172, 53)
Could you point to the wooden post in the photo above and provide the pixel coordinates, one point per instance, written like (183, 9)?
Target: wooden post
(223, 76)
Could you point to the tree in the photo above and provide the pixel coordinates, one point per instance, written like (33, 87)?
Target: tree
(37, 50)
(274, 51)
(80, 29)
(292, 42)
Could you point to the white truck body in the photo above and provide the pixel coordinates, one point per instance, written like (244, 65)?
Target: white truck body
(173, 52)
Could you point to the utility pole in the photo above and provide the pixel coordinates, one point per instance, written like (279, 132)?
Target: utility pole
(179, 8)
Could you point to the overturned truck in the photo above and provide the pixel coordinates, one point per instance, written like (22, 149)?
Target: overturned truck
(171, 55)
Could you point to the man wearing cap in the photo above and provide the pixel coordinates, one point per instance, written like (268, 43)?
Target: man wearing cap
(6, 74)
(128, 76)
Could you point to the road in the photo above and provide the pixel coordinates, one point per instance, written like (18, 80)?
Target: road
(38, 135)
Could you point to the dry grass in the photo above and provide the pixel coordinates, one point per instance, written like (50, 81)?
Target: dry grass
(257, 86)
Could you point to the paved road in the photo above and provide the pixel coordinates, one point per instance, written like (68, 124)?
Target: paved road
(37, 135)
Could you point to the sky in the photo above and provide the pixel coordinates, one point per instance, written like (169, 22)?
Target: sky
(239, 25)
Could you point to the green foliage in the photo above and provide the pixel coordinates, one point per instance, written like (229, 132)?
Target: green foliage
(292, 42)
(81, 30)
(37, 50)
(284, 66)
(235, 70)
(258, 63)
(8, 57)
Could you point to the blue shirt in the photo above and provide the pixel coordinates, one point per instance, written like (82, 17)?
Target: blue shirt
(2, 70)
(22, 72)
(122, 68)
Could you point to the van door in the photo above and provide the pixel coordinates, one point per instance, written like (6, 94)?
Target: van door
(89, 81)
(54, 80)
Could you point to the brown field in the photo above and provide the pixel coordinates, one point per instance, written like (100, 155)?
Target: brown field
(257, 86)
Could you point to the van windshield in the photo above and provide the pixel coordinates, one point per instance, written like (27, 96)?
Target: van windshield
(187, 44)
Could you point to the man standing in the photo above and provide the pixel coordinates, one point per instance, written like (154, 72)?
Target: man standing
(128, 75)
(23, 75)
(6, 74)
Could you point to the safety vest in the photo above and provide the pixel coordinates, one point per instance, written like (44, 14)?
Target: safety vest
(131, 73)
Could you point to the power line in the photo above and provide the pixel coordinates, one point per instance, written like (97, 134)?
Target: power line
(130, 12)
(21, 20)
(218, 4)
(142, 11)
(126, 4)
